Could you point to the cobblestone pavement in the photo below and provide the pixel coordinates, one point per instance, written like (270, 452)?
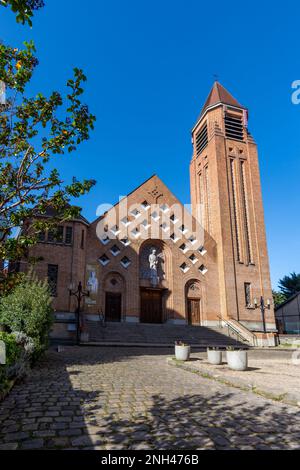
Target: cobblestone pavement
(129, 398)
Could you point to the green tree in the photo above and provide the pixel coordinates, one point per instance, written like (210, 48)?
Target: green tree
(33, 131)
(24, 9)
(289, 285)
(278, 298)
(28, 309)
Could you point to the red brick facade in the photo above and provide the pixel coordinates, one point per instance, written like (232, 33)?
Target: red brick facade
(197, 274)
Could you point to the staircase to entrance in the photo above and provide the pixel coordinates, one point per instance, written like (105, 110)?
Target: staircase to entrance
(160, 335)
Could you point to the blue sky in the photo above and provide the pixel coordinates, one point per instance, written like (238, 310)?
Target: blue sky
(150, 66)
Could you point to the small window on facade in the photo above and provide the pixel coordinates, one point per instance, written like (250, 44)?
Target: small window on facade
(42, 236)
(234, 127)
(51, 236)
(247, 286)
(59, 235)
(104, 260)
(82, 240)
(69, 235)
(184, 268)
(145, 205)
(52, 278)
(201, 139)
(203, 269)
(125, 262)
(183, 248)
(115, 250)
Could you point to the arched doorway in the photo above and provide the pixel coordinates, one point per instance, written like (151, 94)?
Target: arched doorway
(114, 292)
(193, 302)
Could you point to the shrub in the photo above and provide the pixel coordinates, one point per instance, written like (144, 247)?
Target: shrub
(13, 354)
(27, 309)
(13, 350)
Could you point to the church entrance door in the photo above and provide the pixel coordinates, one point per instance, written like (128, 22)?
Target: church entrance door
(113, 306)
(194, 311)
(151, 306)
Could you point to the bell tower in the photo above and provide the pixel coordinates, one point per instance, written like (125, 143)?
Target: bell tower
(226, 198)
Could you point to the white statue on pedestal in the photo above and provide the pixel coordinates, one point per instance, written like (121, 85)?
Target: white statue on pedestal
(92, 283)
(153, 263)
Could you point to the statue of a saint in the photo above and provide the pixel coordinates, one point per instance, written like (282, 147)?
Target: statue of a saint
(153, 263)
(92, 283)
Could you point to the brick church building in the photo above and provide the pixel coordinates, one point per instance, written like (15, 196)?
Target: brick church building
(148, 259)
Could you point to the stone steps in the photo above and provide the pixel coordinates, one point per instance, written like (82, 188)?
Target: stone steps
(124, 333)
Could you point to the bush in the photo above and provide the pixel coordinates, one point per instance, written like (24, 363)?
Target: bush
(13, 355)
(27, 309)
(13, 350)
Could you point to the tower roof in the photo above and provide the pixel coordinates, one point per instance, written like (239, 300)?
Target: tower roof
(219, 94)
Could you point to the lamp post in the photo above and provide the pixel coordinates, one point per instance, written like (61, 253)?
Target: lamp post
(263, 307)
(79, 294)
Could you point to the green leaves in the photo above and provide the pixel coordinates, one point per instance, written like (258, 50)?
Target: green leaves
(24, 9)
(32, 131)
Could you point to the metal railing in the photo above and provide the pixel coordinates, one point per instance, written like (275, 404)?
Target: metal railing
(238, 334)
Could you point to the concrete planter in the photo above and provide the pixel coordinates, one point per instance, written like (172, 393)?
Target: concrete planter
(182, 353)
(214, 356)
(237, 360)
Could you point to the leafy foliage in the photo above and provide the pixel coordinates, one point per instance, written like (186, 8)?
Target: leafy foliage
(278, 298)
(28, 309)
(13, 350)
(24, 9)
(32, 131)
(289, 285)
(9, 282)
(13, 353)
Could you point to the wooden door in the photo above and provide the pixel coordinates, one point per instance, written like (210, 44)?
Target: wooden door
(151, 306)
(194, 311)
(113, 306)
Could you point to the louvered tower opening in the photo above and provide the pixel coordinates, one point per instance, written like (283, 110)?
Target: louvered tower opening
(234, 127)
(201, 139)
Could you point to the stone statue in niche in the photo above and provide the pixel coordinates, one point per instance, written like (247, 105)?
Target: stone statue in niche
(153, 263)
(92, 283)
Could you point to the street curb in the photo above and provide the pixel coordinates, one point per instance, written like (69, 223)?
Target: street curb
(285, 398)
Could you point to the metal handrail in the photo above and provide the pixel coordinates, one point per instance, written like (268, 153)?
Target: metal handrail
(237, 332)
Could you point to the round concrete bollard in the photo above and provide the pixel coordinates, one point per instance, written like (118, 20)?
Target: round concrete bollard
(182, 353)
(237, 360)
(214, 356)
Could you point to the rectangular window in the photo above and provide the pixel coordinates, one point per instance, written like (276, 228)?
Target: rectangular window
(59, 235)
(69, 235)
(247, 286)
(42, 236)
(51, 236)
(201, 139)
(207, 199)
(82, 240)
(245, 213)
(55, 235)
(52, 278)
(234, 127)
(235, 214)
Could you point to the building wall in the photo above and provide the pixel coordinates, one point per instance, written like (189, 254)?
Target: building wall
(227, 191)
(288, 316)
(157, 195)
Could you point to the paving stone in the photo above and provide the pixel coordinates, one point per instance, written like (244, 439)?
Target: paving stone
(32, 444)
(131, 398)
(9, 446)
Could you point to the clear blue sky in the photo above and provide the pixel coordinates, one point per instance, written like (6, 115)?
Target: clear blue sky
(150, 66)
